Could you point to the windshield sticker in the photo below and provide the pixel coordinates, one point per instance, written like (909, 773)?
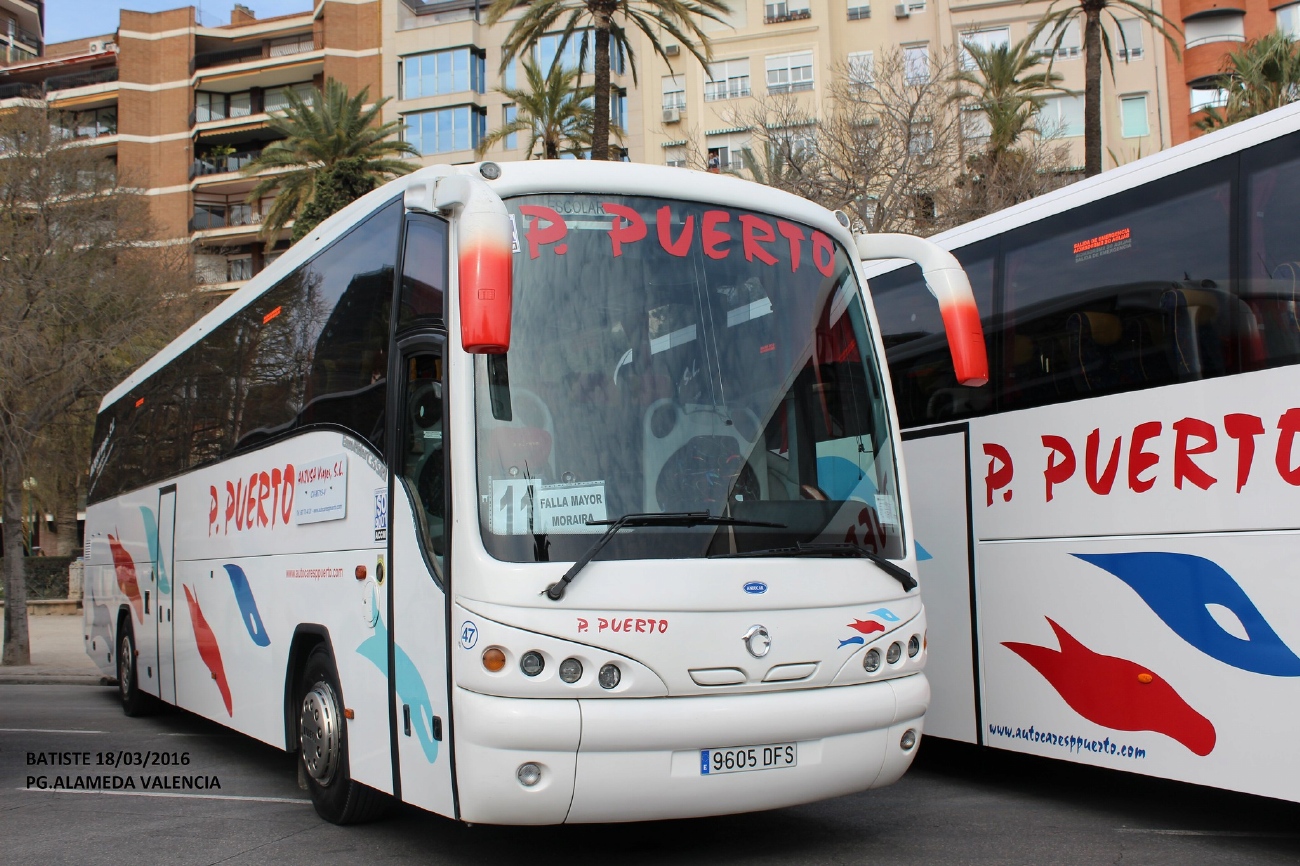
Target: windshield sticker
(886, 509)
(720, 236)
(757, 310)
(523, 506)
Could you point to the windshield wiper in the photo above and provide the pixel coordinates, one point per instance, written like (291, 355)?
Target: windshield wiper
(897, 572)
(555, 591)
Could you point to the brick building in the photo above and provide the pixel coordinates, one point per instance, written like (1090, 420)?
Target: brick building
(181, 108)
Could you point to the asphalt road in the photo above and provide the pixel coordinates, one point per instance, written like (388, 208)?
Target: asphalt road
(957, 805)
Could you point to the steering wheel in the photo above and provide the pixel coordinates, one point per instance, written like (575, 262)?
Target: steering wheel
(704, 473)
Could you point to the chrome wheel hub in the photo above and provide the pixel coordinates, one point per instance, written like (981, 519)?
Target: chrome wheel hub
(320, 734)
(125, 666)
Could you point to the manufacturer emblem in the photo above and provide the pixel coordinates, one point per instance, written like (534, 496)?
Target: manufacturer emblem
(758, 641)
(756, 587)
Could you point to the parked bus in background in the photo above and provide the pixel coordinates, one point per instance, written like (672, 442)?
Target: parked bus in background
(1109, 530)
(532, 493)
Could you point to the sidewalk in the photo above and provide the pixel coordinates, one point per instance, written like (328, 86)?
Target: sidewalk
(58, 654)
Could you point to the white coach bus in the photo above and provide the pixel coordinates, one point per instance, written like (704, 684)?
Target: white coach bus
(1109, 530)
(532, 493)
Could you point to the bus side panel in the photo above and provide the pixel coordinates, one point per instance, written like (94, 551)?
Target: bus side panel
(1080, 666)
(254, 561)
(942, 535)
(120, 575)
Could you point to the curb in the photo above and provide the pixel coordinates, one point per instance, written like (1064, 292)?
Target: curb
(55, 680)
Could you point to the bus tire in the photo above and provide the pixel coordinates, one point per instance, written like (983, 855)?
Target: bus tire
(323, 747)
(134, 701)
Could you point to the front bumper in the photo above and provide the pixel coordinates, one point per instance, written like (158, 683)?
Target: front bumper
(638, 759)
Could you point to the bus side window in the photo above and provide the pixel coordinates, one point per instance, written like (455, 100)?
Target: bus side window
(424, 271)
(1271, 235)
(422, 460)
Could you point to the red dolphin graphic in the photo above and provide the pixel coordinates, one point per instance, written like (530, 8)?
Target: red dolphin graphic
(865, 626)
(1117, 693)
(208, 650)
(124, 565)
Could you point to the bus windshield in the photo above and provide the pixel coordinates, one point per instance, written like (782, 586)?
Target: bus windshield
(671, 356)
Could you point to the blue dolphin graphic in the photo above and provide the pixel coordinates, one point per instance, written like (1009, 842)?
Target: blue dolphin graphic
(151, 536)
(857, 639)
(922, 554)
(1178, 586)
(247, 605)
(410, 685)
(885, 613)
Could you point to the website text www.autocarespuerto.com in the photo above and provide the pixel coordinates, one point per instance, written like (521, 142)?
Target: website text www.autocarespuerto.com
(1069, 742)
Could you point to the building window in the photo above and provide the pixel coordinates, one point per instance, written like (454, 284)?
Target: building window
(1133, 116)
(618, 107)
(862, 68)
(1205, 97)
(727, 152)
(983, 39)
(1215, 28)
(455, 71)
(788, 73)
(1062, 117)
(445, 130)
(548, 52)
(88, 124)
(860, 13)
(776, 11)
(916, 6)
(277, 98)
(1288, 20)
(220, 106)
(239, 268)
(1130, 42)
(729, 79)
(674, 90)
(508, 115)
(1046, 45)
(975, 126)
(921, 139)
(508, 77)
(675, 157)
(916, 64)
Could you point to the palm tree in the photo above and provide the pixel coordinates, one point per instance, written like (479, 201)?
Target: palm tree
(554, 109)
(1057, 18)
(1005, 90)
(335, 152)
(608, 21)
(1261, 75)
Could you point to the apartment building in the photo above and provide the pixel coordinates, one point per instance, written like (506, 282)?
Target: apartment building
(789, 46)
(442, 69)
(180, 108)
(22, 29)
(1211, 30)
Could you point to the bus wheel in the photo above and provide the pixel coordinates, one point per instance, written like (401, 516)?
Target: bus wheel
(323, 748)
(134, 701)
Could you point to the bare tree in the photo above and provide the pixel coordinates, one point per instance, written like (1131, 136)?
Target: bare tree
(894, 148)
(84, 296)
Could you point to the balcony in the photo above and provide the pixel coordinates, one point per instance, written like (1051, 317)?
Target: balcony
(232, 212)
(55, 83)
(225, 164)
(779, 13)
(269, 49)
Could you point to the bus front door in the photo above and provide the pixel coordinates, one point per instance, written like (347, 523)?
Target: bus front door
(418, 601)
(163, 557)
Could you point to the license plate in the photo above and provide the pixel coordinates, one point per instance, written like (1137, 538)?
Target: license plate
(714, 762)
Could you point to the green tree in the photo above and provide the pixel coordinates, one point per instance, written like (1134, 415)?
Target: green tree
(554, 109)
(334, 150)
(603, 25)
(1261, 75)
(1096, 42)
(1003, 88)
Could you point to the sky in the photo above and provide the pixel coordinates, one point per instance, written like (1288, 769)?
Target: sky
(78, 19)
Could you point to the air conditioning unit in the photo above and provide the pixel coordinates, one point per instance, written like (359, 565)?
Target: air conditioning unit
(98, 46)
(672, 115)
(901, 11)
(672, 50)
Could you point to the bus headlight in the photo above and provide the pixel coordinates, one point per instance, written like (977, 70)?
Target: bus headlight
(913, 646)
(570, 670)
(871, 661)
(609, 676)
(529, 774)
(895, 652)
(531, 663)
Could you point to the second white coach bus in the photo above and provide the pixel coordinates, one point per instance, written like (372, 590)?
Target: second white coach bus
(1110, 530)
(532, 493)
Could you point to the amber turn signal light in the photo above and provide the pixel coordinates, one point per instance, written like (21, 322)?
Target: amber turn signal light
(494, 659)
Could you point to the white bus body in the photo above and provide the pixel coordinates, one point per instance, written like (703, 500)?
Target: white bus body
(270, 547)
(1108, 530)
